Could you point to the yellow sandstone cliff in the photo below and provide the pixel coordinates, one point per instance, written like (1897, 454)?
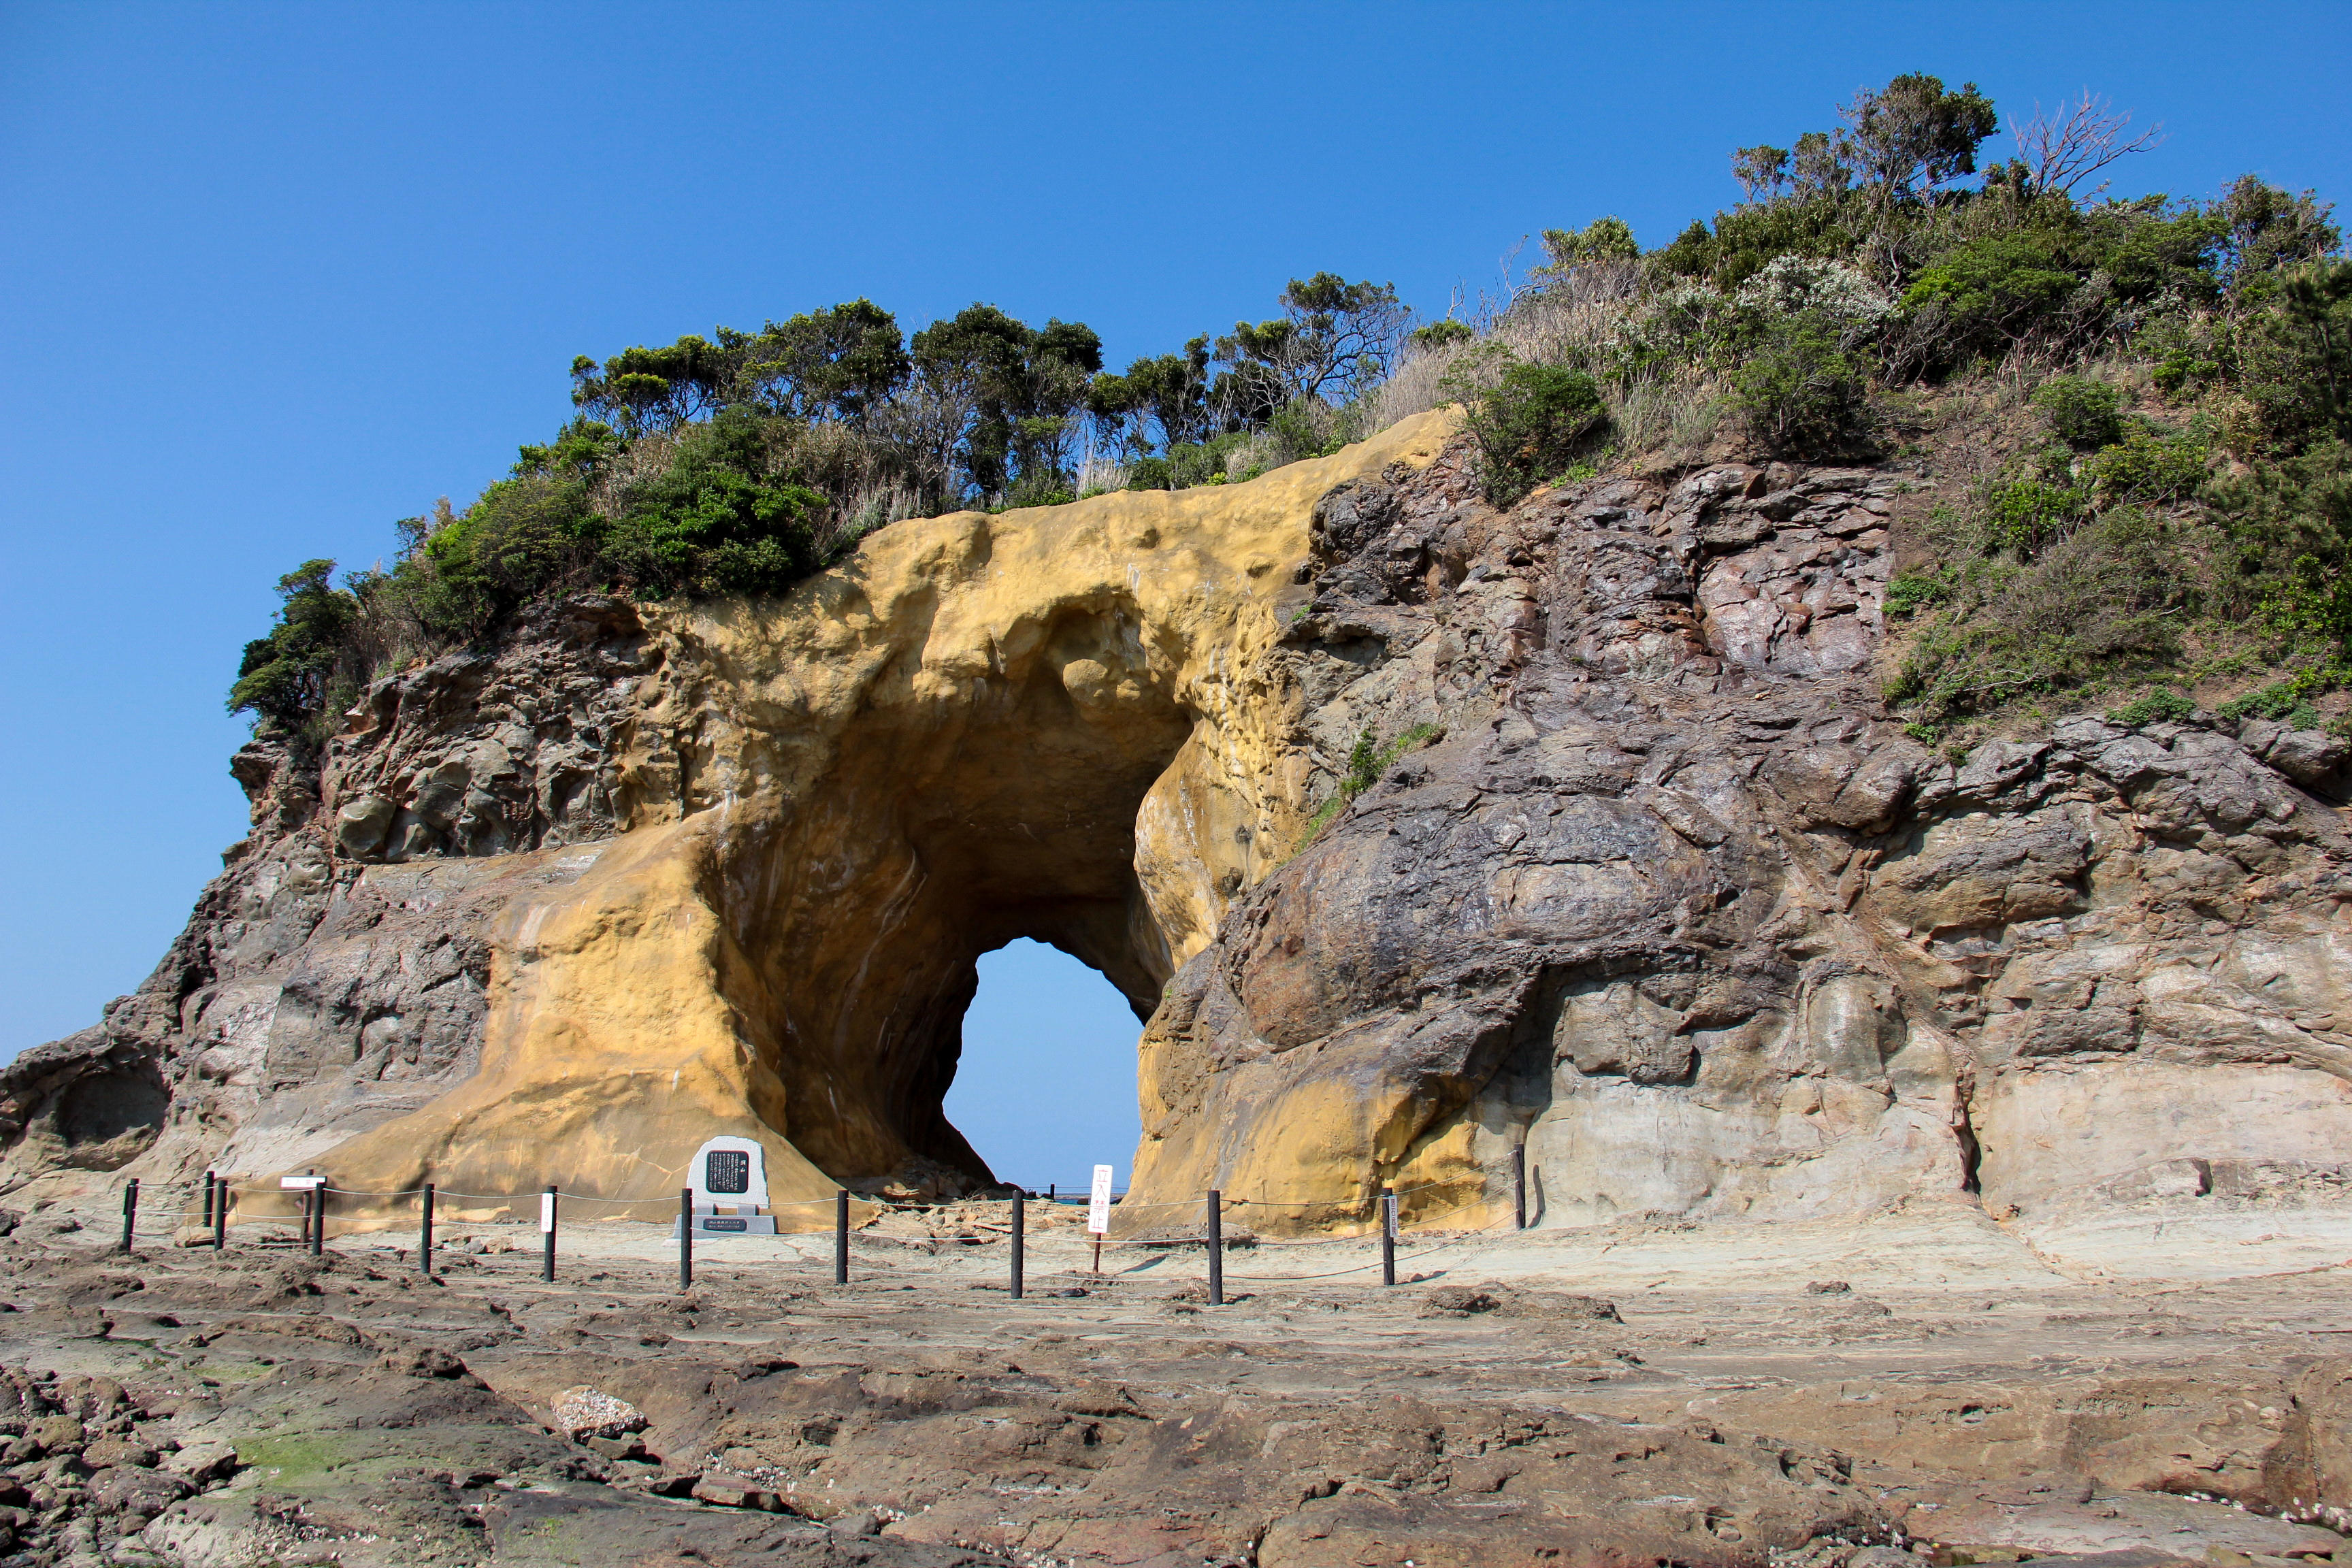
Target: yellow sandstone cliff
(1051, 722)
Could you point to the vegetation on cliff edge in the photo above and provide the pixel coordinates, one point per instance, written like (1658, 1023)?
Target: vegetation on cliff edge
(2168, 491)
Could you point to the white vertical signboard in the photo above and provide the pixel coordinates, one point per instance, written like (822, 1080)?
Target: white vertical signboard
(1098, 1211)
(546, 1212)
(1099, 1201)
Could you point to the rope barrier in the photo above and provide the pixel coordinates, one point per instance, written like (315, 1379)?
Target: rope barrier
(1423, 1219)
(192, 1211)
(1329, 1203)
(1361, 1267)
(1319, 1241)
(312, 1226)
(533, 1196)
(196, 1189)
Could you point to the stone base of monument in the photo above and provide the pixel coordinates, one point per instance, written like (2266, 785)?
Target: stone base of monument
(731, 1225)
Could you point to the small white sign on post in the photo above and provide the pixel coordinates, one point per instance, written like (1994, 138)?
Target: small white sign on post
(302, 1183)
(1099, 1201)
(546, 1214)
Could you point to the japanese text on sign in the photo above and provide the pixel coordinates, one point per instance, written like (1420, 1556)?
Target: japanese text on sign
(1099, 1201)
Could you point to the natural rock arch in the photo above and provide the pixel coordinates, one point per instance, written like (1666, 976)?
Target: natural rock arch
(984, 728)
(1670, 907)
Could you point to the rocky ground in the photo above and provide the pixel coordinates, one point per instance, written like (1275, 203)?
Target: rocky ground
(1852, 1409)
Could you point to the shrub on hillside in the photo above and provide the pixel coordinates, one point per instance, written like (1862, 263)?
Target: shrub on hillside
(1908, 593)
(2147, 466)
(1818, 224)
(1529, 423)
(521, 537)
(1446, 334)
(702, 529)
(1188, 464)
(1803, 394)
(2288, 556)
(2267, 232)
(2184, 352)
(1830, 292)
(2158, 706)
(293, 678)
(2288, 702)
(1367, 759)
(2296, 357)
(2097, 604)
(1989, 295)
(2085, 414)
(2028, 515)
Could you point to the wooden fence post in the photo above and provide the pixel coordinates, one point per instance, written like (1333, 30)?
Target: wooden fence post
(841, 1236)
(1388, 1236)
(1019, 1201)
(1216, 1248)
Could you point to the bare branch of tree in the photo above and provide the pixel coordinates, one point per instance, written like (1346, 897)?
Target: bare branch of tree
(2063, 147)
(1514, 285)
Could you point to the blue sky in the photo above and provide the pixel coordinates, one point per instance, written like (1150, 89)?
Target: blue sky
(272, 277)
(1048, 1092)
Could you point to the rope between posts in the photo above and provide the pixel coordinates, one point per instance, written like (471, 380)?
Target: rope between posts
(191, 1215)
(1227, 1204)
(1325, 1203)
(193, 1208)
(506, 1197)
(1361, 1268)
(193, 1211)
(570, 1196)
(1330, 1240)
(1320, 1241)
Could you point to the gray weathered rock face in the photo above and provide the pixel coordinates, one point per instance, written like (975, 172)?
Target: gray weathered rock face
(490, 753)
(334, 975)
(307, 1001)
(1675, 909)
(1650, 893)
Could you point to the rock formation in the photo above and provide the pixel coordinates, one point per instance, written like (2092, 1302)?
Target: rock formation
(1678, 908)
(1646, 884)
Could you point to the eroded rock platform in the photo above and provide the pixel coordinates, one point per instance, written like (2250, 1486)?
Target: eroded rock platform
(265, 1406)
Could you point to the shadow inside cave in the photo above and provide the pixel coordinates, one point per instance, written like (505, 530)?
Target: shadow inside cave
(951, 823)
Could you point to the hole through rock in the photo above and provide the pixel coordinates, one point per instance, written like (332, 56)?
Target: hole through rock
(1044, 1090)
(957, 818)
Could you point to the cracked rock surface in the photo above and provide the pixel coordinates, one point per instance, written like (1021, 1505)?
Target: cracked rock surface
(178, 1407)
